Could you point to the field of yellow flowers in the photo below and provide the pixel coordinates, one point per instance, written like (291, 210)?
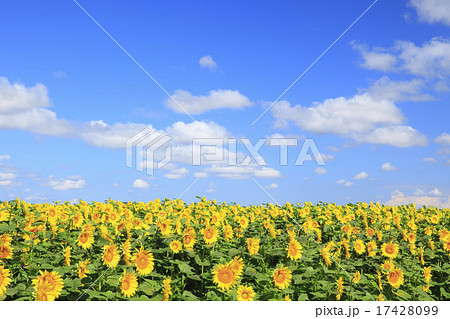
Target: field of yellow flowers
(171, 250)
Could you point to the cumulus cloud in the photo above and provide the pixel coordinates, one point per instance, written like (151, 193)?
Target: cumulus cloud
(432, 11)
(385, 88)
(272, 186)
(320, 170)
(184, 133)
(16, 97)
(98, 133)
(361, 117)
(443, 139)
(216, 99)
(177, 173)
(431, 60)
(388, 167)
(435, 192)
(344, 182)
(361, 175)
(139, 183)
(4, 157)
(207, 62)
(376, 59)
(211, 189)
(64, 184)
(399, 198)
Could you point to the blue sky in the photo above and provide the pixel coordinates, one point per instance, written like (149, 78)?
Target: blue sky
(376, 104)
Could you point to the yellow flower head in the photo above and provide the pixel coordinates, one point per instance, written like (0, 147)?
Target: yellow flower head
(175, 246)
(294, 250)
(111, 256)
(245, 293)
(282, 277)
(5, 279)
(253, 245)
(389, 250)
(224, 277)
(143, 261)
(395, 277)
(128, 284)
(49, 284)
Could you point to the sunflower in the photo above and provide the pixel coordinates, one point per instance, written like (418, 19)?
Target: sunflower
(224, 277)
(447, 245)
(237, 265)
(167, 288)
(371, 248)
(82, 271)
(287, 298)
(128, 284)
(6, 251)
(282, 277)
(245, 293)
(389, 250)
(144, 261)
(67, 255)
(380, 286)
(110, 256)
(175, 246)
(395, 277)
(5, 279)
(387, 266)
(380, 297)
(340, 288)
(253, 245)
(427, 274)
(210, 235)
(48, 283)
(356, 277)
(359, 246)
(165, 227)
(370, 232)
(86, 239)
(189, 238)
(126, 249)
(228, 232)
(294, 250)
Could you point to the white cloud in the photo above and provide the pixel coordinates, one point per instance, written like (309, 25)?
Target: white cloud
(200, 175)
(242, 172)
(17, 98)
(320, 170)
(429, 160)
(385, 88)
(37, 120)
(217, 99)
(327, 157)
(177, 173)
(98, 133)
(361, 117)
(344, 182)
(63, 184)
(5, 183)
(115, 185)
(377, 59)
(388, 167)
(361, 175)
(272, 186)
(435, 192)
(399, 136)
(432, 11)
(431, 60)
(207, 62)
(443, 139)
(419, 192)
(184, 133)
(399, 198)
(5, 157)
(341, 116)
(139, 183)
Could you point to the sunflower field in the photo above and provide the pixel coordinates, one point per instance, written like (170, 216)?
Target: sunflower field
(170, 250)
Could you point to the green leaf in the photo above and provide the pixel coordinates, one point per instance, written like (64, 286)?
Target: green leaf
(303, 297)
(187, 295)
(185, 268)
